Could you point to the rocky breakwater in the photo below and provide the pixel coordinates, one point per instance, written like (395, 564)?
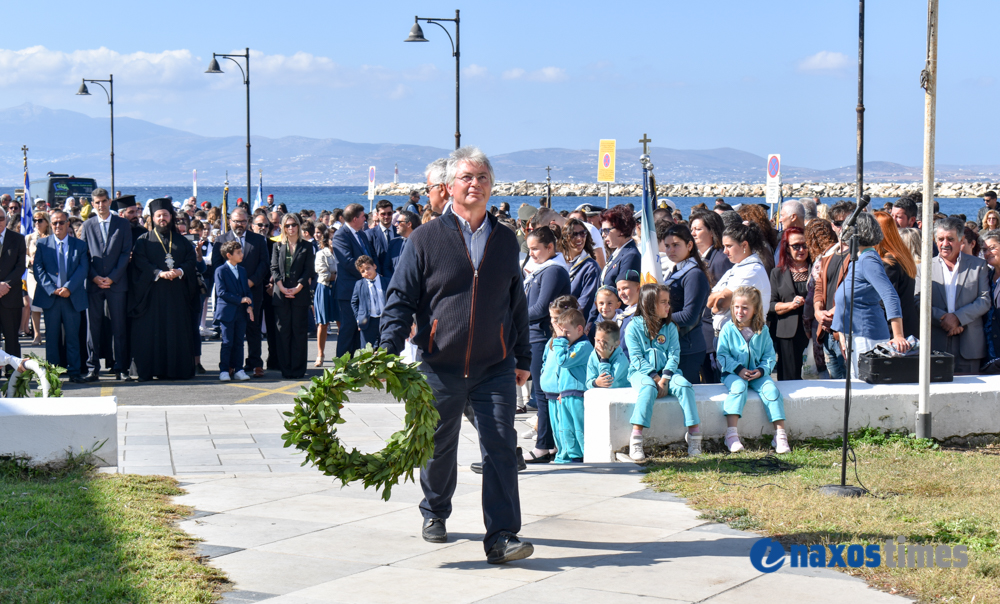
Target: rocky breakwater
(790, 190)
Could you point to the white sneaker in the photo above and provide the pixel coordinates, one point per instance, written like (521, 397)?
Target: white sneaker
(224, 376)
(733, 441)
(241, 375)
(694, 444)
(635, 449)
(780, 442)
(529, 434)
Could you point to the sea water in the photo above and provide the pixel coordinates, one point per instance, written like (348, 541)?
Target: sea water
(328, 198)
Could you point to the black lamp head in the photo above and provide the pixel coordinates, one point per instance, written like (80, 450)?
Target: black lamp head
(213, 67)
(416, 34)
(83, 89)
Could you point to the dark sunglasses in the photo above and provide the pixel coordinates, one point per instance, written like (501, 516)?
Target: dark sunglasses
(261, 225)
(798, 247)
(838, 223)
(604, 232)
(58, 222)
(578, 234)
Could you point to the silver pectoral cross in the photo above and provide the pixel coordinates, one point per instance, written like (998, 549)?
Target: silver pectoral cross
(170, 261)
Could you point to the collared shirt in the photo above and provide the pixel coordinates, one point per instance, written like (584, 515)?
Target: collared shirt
(376, 297)
(105, 225)
(951, 282)
(475, 242)
(357, 236)
(235, 269)
(62, 253)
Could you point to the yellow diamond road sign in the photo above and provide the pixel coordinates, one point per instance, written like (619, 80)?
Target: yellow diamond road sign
(606, 161)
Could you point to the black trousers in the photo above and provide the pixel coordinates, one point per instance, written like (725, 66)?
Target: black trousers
(690, 366)
(348, 337)
(254, 337)
(10, 325)
(115, 301)
(490, 391)
(790, 351)
(293, 339)
(370, 333)
(545, 439)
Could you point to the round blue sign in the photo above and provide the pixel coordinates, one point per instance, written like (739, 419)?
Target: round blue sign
(772, 167)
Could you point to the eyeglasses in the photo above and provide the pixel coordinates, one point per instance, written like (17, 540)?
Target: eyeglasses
(261, 225)
(798, 247)
(55, 222)
(291, 225)
(237, 221)
(578, 234)
(838, 223)
(605, 232)
(469, 179)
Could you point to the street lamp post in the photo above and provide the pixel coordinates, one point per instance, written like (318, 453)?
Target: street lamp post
(213, 67)
(111, 102)
(417, 35)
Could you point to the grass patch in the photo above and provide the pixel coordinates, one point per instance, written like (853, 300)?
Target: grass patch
(927, 494)
(72, 535)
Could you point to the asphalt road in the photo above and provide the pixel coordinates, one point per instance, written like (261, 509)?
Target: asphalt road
(207, 389)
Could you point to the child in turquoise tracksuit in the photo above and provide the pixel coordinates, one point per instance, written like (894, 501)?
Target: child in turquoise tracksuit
(608, 365)
(571, 351)
(548, 377)
(653, 361)
(746, 359)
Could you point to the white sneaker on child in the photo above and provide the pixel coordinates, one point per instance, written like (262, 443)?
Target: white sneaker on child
(733, 441)
(241, 376)
(635, 451)
(694, 444)
(780, 442)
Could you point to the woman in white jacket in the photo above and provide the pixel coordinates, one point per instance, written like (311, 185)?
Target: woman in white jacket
(741, 244)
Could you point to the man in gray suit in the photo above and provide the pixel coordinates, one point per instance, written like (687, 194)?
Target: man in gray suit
(109, 240)
(960, 296)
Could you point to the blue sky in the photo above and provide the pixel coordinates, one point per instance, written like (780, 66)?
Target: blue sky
(777, 76)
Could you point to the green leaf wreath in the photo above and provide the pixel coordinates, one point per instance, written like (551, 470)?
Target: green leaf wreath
(22, 385)
(312, 424)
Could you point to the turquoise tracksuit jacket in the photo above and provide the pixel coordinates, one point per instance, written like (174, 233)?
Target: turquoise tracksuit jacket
(647, 356)
(572, 362)
(735, 353)
(616, 366)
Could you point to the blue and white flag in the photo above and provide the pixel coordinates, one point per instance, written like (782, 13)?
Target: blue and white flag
(648, 248)
(259, 202)
(27, 206)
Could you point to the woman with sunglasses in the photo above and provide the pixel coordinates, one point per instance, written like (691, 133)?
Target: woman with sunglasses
(42, 229)
(584, 274)
(617, 227)
(789, 286)
(293, 265)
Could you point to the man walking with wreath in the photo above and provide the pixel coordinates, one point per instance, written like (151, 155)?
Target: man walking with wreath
(459, 276)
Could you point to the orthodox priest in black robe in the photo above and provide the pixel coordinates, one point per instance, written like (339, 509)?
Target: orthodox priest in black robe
(162, 297)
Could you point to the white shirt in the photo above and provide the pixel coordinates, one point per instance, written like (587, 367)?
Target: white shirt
(595, 236)
(750, 271)
(105, 226)
(950, 282)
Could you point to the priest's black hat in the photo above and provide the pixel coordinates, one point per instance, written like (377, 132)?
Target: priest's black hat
(161, 204)
(120, 203)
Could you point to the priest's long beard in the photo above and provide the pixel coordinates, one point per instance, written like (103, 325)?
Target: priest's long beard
(164, 230)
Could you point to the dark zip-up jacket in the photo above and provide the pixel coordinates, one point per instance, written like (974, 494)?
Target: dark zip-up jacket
(465, 317)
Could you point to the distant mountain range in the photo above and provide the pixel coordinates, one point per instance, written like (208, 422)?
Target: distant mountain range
(148, 154)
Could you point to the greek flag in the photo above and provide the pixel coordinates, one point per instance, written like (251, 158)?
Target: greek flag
(259, 202)
(27, 207)
(648, 248)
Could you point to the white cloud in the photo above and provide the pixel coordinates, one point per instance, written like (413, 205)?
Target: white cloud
(474, 71)
(545, 74)
(824, 61)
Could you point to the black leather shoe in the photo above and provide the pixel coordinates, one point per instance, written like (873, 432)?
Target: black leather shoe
(76, 379)
(509, 548)
(199, 369)
(477, 466)
(93, 376)
(434, 531)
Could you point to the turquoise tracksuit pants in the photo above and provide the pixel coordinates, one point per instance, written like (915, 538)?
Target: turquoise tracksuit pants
(763, 385)
(566, 416)
(679, 387)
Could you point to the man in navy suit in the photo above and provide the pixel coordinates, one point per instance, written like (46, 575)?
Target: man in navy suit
(12, 255)
(349, 244)
(404, 228)
(257, 264)
(232, 294)
(61, 266)
(109, 240)
(368, 300)
(380, 236)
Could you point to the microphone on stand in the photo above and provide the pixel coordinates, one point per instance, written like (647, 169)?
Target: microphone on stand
(849, 223)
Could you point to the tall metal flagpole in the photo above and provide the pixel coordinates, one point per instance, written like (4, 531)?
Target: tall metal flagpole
(928, 81)
(860, 177)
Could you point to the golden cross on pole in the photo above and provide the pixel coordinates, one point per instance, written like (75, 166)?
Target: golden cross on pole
(645, 140)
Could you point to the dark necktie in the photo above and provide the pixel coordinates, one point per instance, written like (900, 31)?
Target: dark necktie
(62, 263)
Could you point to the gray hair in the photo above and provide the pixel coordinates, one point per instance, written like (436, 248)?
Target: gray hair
(239, 210)
(99, 192)
(436, 171)
(868, 229)
(810, 207)
(955, 225)
(994, 235)
(795, 207)
(470, 155)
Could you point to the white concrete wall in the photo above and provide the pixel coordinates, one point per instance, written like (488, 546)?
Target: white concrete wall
(46, 429)
(814, 408)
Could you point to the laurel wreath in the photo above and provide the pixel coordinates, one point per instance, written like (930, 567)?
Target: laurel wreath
(22, 381)
(312, 424)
